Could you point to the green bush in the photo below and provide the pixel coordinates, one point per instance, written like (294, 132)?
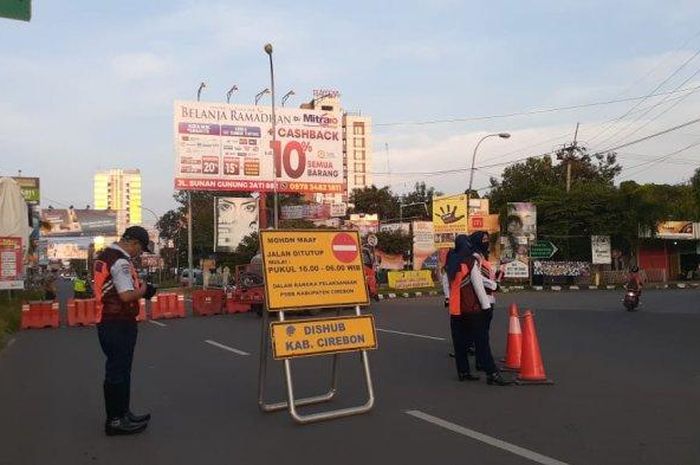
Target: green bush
(10, 311)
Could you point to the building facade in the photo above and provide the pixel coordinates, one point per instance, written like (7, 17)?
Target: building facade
(119, 190)
(357, 145)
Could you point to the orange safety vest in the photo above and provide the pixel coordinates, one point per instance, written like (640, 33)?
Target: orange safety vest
(462, 296)
(111, 306)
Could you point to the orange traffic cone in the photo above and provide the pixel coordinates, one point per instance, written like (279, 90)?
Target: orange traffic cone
(531, 366)
(512, 311)
(514, 343)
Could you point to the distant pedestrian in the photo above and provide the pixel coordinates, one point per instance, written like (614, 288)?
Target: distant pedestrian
(118, 288)
(470, 306)
(80, 286)
(49, 285)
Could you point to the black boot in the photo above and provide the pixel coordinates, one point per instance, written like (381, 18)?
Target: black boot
(131, 415)
(468, 377)
(145, 418)
(123, 426)
(497, 379)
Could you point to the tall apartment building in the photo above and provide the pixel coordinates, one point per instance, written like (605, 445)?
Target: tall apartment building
(119, 190)
(357, 145)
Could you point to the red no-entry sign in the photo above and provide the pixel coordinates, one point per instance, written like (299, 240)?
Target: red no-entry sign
(344, 247)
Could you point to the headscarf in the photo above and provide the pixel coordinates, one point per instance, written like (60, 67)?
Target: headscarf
(478, 243)
(458, 255)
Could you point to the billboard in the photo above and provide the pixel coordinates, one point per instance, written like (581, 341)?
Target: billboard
(312, 211)
(236, 217)
(11, 266)
(449, 219)
(222, 147)
(424, 251)
(675, 230)
(69, 248)
(71, 222)
(29, 188)
(521, 230)
(600, 250)
(364, 223)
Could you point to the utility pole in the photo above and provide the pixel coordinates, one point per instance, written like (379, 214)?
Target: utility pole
(572, 149)
(388, 166)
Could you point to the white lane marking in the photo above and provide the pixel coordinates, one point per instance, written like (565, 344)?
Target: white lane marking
(230, 349)
(512, 448)
(157, 323)
(391, 331)
(10, 342)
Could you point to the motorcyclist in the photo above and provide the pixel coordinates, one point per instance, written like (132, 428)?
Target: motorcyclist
(635, 283)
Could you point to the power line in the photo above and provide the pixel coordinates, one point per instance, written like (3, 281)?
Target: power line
(651, 136)
(664, 100)
(529, 112)
(657, 160)
(650, 94)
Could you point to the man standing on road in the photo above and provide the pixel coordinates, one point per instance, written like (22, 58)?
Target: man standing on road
(118, 289)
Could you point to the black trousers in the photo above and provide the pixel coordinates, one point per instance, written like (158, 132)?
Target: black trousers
(472, 327)
(118, 340)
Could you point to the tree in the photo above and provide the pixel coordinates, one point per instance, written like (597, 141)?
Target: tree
(695, 189)
(394, 242)
(420, 201)
(375, 201)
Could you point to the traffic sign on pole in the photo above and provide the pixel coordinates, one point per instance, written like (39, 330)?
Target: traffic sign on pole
(543, 249)
(16, 9)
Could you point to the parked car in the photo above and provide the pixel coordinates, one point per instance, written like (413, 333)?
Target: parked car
(198, 277)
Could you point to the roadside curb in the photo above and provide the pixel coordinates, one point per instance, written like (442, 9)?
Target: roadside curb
(573, 288)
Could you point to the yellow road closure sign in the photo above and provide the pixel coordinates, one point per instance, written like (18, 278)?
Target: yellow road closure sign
(323, 336)
(311, 269)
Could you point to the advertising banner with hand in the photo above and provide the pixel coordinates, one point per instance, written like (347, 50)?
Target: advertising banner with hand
(449, 219)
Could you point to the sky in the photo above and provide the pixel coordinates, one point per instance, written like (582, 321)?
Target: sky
(90, 85)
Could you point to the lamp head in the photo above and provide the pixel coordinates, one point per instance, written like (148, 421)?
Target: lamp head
(504, 135)
(268, 49)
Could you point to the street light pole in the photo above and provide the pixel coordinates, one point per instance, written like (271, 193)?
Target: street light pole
(230, 93)
(286, 96)
(275, 219)
(502, 135)
(259, 95)
(190, 272)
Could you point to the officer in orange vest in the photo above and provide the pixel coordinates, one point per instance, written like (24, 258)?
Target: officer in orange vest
(118, 290)
(470, 307)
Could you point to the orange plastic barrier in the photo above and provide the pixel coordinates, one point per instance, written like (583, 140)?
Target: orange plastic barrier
(40, 314)
(167, 305)
(142, 311)
(233, 305)
(82, 312)
(207, 302)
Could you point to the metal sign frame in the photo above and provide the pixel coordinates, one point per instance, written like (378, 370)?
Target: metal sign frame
(292, 403)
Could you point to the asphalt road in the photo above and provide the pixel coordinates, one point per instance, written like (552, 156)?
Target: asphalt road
(627, 392)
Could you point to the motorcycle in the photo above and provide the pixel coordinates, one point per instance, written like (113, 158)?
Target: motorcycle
(631, 300)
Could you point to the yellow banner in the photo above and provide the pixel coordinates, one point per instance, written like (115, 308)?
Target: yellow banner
(410, 279)
(303, 338)
(312, 269)
(449, 219)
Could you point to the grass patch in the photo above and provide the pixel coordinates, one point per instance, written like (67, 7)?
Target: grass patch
(10, 311)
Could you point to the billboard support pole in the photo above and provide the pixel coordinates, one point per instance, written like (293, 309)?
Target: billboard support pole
(190, 272)
(268, 50)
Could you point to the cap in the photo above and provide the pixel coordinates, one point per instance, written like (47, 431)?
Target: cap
(139, 234)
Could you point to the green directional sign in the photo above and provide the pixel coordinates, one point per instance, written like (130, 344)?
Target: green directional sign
(542, 249)
(16, 9)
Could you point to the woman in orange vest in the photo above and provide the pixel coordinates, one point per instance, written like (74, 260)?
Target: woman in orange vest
(470, 306)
